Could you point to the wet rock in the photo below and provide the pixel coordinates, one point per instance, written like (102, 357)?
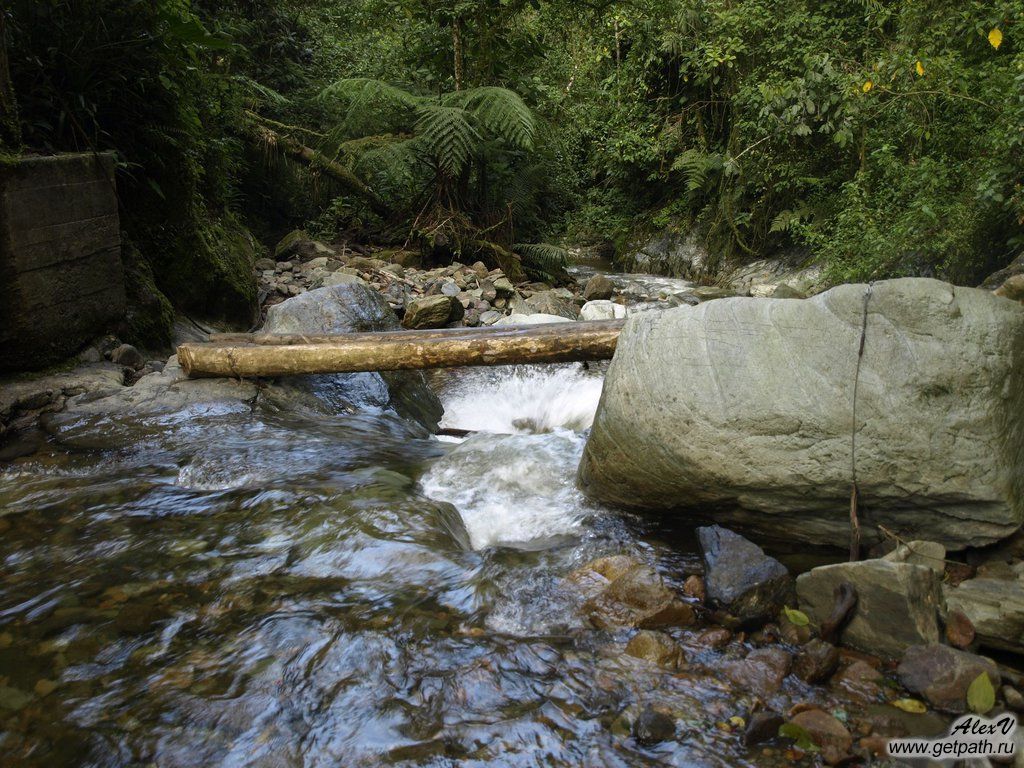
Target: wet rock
(959, 630)
(860, 680)
(598, 287)
(816, 661)
(657, 648)
(13, 699)
(602, 310)
(680, 383)
(897, 604)
(741, 578)
(716, 637)
(930, 554)
(694, 587)
(995, 608)
(631, 595)
(762, 727)
(761, 672)
(427, 312)
(128, 356)
(826, 732)
(653, 727)
(942, 675)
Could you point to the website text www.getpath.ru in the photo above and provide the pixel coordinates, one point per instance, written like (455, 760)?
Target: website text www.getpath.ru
(969, 736)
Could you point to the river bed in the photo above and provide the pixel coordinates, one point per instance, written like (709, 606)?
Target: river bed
(250, 587)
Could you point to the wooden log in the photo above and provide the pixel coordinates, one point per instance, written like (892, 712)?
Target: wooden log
(401, 350)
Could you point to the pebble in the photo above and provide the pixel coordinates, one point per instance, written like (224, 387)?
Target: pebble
(653, 727)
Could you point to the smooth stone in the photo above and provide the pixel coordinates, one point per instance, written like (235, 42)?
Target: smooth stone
(602, 310)
(897, 603)
(655, 647)
(826, 732)
(930, 554)
(942, 675)
(598, 287)
(995, 607)
(748, 404)
(653, 727)
(816, 661)
(428, 312)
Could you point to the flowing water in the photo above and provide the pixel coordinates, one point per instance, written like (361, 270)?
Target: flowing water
(251, 587)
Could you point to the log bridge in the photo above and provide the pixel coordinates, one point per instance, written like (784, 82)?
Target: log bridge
(247, 355)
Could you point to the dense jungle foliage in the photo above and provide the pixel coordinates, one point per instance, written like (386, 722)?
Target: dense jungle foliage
(879, 137)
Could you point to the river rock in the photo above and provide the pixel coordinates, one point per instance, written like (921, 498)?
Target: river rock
(897, 603)
(627, 593)
(816, 661)
(743, 406)
(826, 732)
(602, 310)
(741, 578)
(490, 317)
(534, 319)
(341, 277)
(503, 286)
(995, 606)
(860, 680)
(598, 287)
(550, 303)
(653, 727)
(762, 727)
(128, 356)
(428, 312)
(349, 308)
(942, 674)
(655, 647)
(761, 672)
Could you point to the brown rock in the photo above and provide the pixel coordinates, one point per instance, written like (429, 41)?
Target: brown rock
(624, 592)
(942, 674)
(657, 648)
(761, 673)
(816, 661)
(762, 727)
(694, 587)
(598, 287)
(716, 637)
(860, 680)
(1012, 288)
(826, 732)
(959, 629)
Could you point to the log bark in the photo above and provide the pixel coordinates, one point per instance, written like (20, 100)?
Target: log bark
(257, 355)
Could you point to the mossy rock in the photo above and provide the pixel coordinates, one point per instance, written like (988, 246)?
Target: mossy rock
(149, 316)
(211, 274)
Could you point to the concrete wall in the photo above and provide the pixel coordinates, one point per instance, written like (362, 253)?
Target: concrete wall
(61, 281)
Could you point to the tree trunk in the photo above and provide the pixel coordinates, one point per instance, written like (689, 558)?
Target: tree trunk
(294, 148)
(400, 350)
(457, 51)
(10, 125)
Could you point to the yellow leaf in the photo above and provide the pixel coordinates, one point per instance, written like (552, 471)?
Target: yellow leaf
(868, 85)
(981, 695)
(995, 37)
(920, 69)
(910, 705)
(737, 722)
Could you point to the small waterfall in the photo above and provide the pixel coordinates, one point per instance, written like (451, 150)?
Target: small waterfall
(513, 481)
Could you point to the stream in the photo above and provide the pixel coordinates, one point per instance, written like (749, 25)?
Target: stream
(235, 587)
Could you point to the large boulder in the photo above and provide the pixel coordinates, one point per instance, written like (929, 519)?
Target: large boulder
(742, 408)
(897, 603)
(995, 608)
(350, 308)
(428, 312)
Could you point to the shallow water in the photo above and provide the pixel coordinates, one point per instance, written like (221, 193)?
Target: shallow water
(249, 587)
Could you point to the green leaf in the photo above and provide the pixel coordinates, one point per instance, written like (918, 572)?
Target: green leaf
(981, 695)
(910, 705)
(795, 617)
(799, 736)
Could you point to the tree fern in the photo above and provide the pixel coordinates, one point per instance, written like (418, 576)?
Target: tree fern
(447, 136)
(500, 113)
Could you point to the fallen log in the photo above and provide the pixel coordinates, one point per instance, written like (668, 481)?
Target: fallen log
(252, 355)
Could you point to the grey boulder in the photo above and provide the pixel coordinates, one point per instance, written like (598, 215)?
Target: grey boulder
(744, 406)
(942, 674)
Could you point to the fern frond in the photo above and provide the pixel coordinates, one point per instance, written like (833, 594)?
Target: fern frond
(447, 136)
(371, 106)
(542, 257)
(259, 93)
(500, 112)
